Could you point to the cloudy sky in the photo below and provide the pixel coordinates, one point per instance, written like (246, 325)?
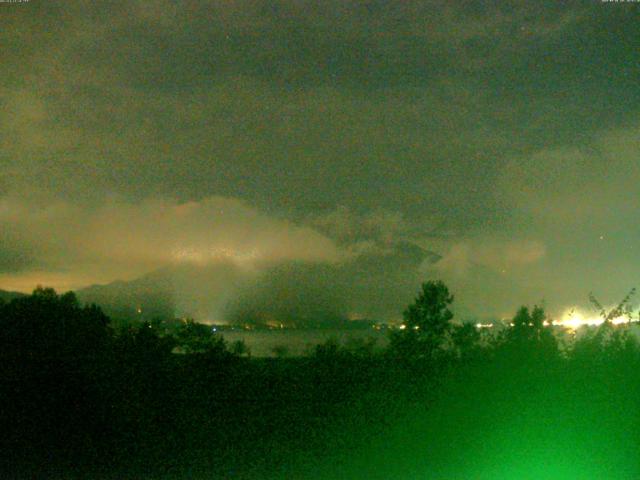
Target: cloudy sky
(502, 136)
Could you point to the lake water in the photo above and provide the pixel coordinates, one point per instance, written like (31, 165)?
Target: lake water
(298, 342)
(301, 342)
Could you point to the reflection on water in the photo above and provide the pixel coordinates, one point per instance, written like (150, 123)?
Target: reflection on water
(265, 343)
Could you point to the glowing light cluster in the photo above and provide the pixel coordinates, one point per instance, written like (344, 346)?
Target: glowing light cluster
(574, 318)
(484, 325)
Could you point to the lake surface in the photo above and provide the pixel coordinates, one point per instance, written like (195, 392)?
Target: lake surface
(301, 342)
(298, 342)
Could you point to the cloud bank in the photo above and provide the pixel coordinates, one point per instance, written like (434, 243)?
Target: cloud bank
(328, 135)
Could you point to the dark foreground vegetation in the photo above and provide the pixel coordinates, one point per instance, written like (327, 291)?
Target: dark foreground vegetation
(443, 401)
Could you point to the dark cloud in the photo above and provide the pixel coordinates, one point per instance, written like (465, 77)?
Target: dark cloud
(456, 127)
(376, 286)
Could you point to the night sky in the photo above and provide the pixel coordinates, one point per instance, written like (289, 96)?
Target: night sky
(343, 149)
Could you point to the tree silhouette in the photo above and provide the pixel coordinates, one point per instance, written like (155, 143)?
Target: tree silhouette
(427, 323)
(240, 348)
(466, 340)
(623, 308)
(530, 336)
(46, 324)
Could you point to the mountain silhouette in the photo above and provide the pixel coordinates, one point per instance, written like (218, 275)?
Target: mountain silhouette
(371, 285)
(7, 296)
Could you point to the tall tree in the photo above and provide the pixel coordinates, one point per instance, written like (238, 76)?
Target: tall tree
(427, 323)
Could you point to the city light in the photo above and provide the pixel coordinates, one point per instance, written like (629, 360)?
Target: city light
(575, 318)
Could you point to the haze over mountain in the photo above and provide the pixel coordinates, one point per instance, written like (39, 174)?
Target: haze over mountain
(373, 286)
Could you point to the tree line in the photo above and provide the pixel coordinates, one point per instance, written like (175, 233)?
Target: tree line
(81, 397)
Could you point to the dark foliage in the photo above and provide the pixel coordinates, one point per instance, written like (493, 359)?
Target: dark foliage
(427, 324)
(81, 400)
